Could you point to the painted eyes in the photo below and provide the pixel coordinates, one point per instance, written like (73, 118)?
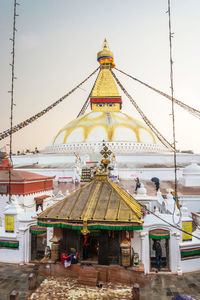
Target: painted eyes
(101, 105)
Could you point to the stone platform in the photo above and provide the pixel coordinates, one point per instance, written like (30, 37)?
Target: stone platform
(111, 273)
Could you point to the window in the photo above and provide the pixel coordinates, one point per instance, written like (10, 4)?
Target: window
(39, 205)
(3, 189)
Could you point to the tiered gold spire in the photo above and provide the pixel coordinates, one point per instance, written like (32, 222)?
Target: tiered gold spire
(105, 56)
(105, 95)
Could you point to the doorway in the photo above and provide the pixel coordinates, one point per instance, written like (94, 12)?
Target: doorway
(90, 249)
(38, 244)
(159, 239)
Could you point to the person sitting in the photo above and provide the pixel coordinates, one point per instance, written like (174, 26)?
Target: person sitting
(64, 256)
(74, 258)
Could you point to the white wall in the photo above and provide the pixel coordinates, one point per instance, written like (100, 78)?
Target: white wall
(10, 255)
(190, 265)
(42, 159)
(148, 173)
(191, 202)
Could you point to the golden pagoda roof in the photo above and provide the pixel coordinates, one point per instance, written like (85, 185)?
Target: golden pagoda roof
(101, 200)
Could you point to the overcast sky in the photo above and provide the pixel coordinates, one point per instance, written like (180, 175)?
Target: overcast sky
(56, 47)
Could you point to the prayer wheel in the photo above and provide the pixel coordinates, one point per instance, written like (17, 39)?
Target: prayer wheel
(55, 248)
(125, 253)
(55, 251)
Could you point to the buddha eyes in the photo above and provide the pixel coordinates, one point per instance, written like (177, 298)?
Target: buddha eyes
(101, 105)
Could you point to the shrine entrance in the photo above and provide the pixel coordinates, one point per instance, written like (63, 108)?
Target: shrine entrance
(159, 250)
(38, 242)
(102, 247)
(90, 249)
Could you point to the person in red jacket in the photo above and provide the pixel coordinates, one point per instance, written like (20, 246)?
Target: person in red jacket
(86, 248)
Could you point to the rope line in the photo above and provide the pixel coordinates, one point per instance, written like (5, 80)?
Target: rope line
(157, 216)
(188, 108)
(30, 120)
(146, 120)
(85, 105)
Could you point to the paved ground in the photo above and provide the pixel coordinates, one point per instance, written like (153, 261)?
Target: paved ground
(157, 286)
(164, 287)
(15, 277)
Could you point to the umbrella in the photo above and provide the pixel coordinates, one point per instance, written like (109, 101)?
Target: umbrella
(182, 297)
(155, 179)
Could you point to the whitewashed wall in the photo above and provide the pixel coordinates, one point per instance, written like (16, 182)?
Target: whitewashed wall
(190, 265)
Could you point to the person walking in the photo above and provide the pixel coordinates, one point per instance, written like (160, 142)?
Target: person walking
(138, 184)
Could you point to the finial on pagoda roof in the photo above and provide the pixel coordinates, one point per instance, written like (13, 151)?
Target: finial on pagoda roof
(105, 57)
(105, 152)
(105, 44)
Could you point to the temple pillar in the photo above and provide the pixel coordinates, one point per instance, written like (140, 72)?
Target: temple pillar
(144, 250)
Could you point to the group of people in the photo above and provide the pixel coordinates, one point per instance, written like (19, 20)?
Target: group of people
(155, 180)
(68, 259)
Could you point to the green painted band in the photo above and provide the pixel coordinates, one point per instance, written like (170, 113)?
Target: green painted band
(159, 237)
(37, 231)
(95, 226)
(190, 253)
(9, 244)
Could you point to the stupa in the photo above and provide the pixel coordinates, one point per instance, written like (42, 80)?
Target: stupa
(106, 122)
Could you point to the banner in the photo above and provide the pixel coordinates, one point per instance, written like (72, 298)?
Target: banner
(187, 226)
(9, 223)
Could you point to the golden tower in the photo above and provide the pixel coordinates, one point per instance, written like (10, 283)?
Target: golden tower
(105, 95)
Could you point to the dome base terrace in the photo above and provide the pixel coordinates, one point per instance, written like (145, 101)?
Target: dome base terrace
(115, 147)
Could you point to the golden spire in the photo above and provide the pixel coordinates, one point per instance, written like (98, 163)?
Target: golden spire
(105, 95)
(105, 56)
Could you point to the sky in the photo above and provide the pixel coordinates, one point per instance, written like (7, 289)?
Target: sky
(56, 48)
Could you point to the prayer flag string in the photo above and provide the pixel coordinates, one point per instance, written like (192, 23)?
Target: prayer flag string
(190, 109)
(30, 120)
(146, 120)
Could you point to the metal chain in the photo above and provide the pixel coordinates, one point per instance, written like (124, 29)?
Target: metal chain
(173, 112)
(12, 92)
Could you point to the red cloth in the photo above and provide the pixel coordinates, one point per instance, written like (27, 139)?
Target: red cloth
(64, 257)
(85, 243)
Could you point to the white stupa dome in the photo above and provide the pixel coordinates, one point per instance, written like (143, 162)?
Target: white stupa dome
(122, 132)
(106, 122)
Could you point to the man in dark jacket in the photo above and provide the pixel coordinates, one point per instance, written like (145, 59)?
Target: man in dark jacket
(158, 250)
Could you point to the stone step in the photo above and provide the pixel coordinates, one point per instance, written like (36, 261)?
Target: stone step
(88, 276)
